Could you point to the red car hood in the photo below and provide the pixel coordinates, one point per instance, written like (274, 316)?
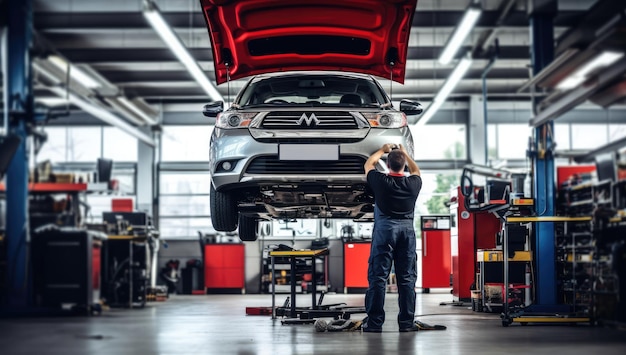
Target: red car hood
(250, 37)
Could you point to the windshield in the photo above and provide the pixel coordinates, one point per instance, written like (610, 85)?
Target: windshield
(313, 90)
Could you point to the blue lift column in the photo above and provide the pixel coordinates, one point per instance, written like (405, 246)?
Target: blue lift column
(19, 14)
(541, 14)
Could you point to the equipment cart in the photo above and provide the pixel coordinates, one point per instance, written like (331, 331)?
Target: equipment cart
(526, 315)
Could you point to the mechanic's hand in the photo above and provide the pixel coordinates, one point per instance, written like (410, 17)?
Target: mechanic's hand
(387, 147)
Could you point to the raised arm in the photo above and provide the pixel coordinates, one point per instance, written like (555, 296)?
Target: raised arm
(413, 168)
(370, 164)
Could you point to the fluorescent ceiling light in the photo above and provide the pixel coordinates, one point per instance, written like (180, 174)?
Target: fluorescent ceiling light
(124, 111)
(75, 73)
(604, 59)
(453, 80)
(52, 101)
(137, 111)
(152, 14)
(460, 33)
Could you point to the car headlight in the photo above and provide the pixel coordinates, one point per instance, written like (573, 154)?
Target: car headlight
(230, 120)
(386, 119)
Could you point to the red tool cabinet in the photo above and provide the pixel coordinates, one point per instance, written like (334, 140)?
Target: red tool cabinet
(436, 257)
(469, 231)
(224, 266)
(355, 262)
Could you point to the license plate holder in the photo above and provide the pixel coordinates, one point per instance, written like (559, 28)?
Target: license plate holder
(308, 152)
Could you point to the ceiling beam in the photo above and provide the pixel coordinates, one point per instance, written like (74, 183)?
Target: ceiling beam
(204, 54)
(114, 6)
(122, 19)
(65, 38)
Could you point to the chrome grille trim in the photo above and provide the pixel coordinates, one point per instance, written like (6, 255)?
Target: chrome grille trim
(293, 120)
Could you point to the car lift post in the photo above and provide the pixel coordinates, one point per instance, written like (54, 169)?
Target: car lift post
(20, 14)
(541, 14)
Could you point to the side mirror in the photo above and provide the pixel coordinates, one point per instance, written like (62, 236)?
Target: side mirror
(411, 107)
(212, 109)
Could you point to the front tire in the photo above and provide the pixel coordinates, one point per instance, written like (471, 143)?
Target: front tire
(223, 211)
(247, 228)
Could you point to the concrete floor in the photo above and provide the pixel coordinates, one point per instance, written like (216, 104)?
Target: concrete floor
(217, 324)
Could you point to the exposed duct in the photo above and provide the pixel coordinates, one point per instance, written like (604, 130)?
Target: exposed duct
(590, 64)
(612, 95)
(55, 85)
(87, 83)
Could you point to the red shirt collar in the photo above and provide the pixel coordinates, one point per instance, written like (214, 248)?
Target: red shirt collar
(395, 174)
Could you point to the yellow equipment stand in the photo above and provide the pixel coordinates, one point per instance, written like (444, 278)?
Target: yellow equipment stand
(489, 256)
(524, 319)
(293, 255)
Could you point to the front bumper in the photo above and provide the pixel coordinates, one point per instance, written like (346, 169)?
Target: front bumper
(237, 147)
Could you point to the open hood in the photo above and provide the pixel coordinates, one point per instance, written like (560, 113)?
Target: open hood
(250, 37)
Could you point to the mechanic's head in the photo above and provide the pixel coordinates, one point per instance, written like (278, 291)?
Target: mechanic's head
(396, 161)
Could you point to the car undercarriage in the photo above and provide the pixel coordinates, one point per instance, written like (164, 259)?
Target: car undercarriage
(290, 201)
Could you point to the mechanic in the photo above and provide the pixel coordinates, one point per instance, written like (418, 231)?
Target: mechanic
(393, 237)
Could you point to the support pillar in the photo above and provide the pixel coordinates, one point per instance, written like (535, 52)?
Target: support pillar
(477, 131)
(145, 175)
(156, 175)
(541, 14)
(19, 88)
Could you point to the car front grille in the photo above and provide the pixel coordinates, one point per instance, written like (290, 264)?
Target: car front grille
(309, 120)
(272, 165)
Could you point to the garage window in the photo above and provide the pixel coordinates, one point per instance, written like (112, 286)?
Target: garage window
(436, 187)
(512, 140)
(118, 145)
(186, 143)
(440, 142)
(55, 149)
(184, 204)
(71, 144)
(87, 144)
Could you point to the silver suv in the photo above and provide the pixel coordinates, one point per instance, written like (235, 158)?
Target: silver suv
(293, 145)
(294, 141)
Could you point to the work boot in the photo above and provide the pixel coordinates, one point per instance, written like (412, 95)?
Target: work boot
(367, 329)
(417, 326)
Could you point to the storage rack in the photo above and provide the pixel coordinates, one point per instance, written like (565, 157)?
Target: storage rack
(3, 265)
(575, 251)
(586, 280)
(609, 264)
